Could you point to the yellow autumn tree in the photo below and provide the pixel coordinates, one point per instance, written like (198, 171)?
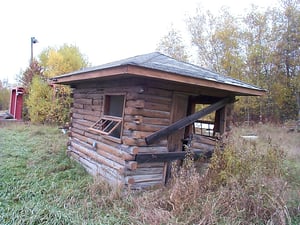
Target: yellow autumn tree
(47, 103)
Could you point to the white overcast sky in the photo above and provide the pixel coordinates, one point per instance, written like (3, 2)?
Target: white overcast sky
(104, 30)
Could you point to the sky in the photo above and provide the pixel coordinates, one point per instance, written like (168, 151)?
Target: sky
(103, 30)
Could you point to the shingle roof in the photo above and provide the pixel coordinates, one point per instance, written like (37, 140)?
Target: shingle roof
(161, 62)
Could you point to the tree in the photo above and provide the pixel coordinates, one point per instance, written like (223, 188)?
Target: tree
(262, 48)
(4, 97)
(217, 41)
(47, 103)
(34, 69)
(171, 44)
(65, 59)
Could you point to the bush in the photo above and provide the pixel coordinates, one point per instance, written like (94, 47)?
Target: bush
(4, 98)
(244, 184)
(46, 104)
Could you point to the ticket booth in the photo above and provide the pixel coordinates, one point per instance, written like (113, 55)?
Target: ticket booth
(16, 102)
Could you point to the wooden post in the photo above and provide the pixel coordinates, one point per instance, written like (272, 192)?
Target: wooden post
(187, 121)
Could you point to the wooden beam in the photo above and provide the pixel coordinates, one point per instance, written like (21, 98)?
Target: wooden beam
(170, 156)
(186, 121)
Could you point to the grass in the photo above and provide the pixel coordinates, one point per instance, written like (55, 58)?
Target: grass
(40, 185)
(248, 183)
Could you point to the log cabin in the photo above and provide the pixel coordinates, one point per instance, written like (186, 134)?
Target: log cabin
(132, 117)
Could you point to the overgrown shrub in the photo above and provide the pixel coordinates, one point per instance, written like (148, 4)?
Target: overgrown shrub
(4, 98)
(244, 184)
(46, 104)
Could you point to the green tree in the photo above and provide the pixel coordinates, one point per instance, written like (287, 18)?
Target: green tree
(39, 100)
(65, 59)
(4, 97)
(217, 39)
(262, 47)
(172, 44)
(34, 69)
(51, 103)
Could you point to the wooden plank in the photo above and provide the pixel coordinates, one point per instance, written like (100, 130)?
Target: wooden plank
(142, 127)
(186, 121)
(145, 171)
(151, 149)
(98, 158)
(138, 104)
(87, 112)
(147, 120)
(95, 168)
(76, 131)
(145, 178)
(84, 101)
(149, 98)
(77, 105)
(158, 106)
(170, 156)
(131, 165)
(141, 142)
(147, 113)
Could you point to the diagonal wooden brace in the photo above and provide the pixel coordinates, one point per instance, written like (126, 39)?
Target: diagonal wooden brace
(187, 120)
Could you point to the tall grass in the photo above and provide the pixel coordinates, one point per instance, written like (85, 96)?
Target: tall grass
(247, 183)
(39, 184)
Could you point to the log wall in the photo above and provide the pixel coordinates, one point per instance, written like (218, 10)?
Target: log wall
(146, 110)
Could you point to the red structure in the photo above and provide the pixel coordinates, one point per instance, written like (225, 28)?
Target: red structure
(16, 102)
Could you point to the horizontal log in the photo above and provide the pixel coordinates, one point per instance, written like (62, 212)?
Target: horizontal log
(147, 120)
(130, 141)
(76, 131)
(112, 150)
(77, 105)
(151, 165)
(131, 165)
(87, 111)
(140, 134)
(96, 157)
(139, 186)
(170, 156)
(145, 178)
(147, 113)
(94, 108)
(83, 122)
(158, 106)
(92, 118)
(85, 101)
(142, 127)
(79, 126)
(97, 170)
(159, 92)
(186, 121)
(150, 149)
(138, 104)
(149, 98)
(145, 171)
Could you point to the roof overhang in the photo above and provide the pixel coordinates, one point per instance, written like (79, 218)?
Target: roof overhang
(138, 71)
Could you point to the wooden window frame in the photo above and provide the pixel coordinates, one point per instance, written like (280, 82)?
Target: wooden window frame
(107, 123)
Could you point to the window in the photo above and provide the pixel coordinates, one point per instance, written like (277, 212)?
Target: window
(110, 124)
(205, 126)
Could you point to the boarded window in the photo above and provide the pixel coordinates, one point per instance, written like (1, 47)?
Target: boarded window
(110, 123)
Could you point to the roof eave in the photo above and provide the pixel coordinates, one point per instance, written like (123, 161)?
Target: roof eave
(155, 74)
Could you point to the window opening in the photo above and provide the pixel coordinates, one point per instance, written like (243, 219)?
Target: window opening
(110, 123)
(205, 125)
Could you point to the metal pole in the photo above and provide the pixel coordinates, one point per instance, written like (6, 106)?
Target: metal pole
(33, 40)
(31, 56)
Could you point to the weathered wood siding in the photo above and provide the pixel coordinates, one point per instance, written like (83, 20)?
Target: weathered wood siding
(146, 110)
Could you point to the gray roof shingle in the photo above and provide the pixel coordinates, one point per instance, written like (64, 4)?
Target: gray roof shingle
(159, 61)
